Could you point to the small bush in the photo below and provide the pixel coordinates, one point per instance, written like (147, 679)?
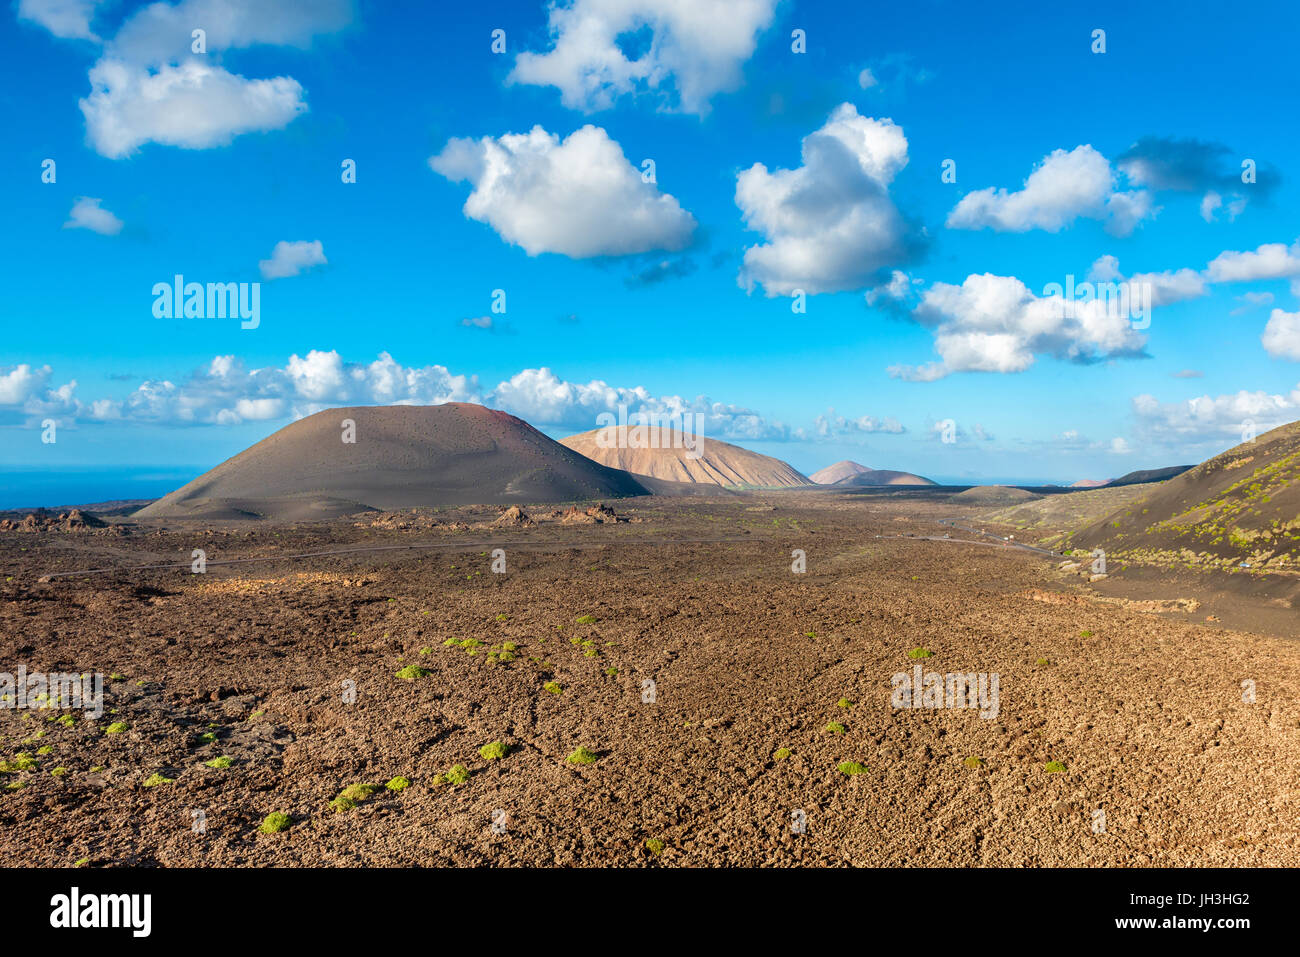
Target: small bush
(275, 822)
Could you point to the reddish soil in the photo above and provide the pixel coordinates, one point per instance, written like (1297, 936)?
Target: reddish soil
(1144, 710)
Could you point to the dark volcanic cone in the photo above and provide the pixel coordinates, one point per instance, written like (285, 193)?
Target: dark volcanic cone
(403, 457)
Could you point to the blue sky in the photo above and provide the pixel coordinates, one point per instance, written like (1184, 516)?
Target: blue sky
(924, 299)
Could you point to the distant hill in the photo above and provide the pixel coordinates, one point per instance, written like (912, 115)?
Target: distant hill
(1052, 518)
(404, 456)
(668, 458)
(840, 470)
(877, 477)
(1088, 483)
(1143, 476)
(1240, 506)
(994, 495)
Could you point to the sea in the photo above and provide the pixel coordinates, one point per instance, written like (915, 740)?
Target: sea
(34, 487)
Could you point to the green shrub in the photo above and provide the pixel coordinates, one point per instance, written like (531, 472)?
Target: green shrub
(275, 822)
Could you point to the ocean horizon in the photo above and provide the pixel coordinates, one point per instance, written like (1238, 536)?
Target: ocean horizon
(34, 487)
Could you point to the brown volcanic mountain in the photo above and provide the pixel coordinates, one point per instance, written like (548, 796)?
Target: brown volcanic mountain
(872, 477)
(404, 456)
(718, 463)
(1240, 506)
(840, 470)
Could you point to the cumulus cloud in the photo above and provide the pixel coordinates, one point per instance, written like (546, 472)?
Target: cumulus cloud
(897, 290)
(830, 224)
(1281, 336)
(1269, 261)
(67, 19)
(995, 324)
(1192, 166)
(161, 33)
(1166, 287)
(26, 393)
(1064, 187)
(226, 392)
(1213, 418)
(832, 425)
(695, 49)
(87, 213)
(291, 258)
(542, 398)
(192, 105)
(148, 86)
(579, 197)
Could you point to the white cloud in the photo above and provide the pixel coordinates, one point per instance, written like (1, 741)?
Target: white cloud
(541, 397)
(580, 197)
(1213, 418)
(831, 425)
(995, 324)
(1062, 188)
(897, 289)
(698, 45)
(68, 19)
(1120, 446)
(25, 392)
(1167, 287)
(225, 392)
(87, 213)
(291, 258)
(1212, 202)
(21, 382)
(193, 106)
(1281, 336)
(830, 224)
(148, 86)
(1269, 261)
(161, 33)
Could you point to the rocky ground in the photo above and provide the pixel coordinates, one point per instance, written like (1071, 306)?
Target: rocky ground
(731, 710)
